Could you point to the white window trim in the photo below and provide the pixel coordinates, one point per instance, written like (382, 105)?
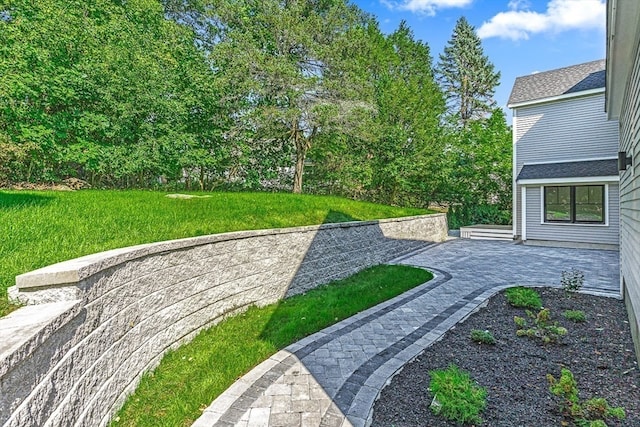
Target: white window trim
(524, 213)
(514, 184)
(578, 224)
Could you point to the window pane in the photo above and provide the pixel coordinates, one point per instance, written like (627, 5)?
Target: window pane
(582, 195)
(557, 203)
(589, 203)
(564, 195)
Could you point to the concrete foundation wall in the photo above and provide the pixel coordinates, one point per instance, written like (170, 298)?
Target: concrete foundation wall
(95, 324)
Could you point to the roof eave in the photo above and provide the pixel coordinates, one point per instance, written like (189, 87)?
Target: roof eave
(622, 41)
(569, 180)
(564, 96)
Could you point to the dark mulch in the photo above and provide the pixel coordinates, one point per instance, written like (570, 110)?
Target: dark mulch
(598, 352)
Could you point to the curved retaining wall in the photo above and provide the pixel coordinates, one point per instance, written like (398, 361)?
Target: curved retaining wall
(95, 324)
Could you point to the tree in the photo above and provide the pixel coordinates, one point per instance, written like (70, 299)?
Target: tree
(479, 171)
(111, 92)
(393, 153)
(283, 65)
(466, 75)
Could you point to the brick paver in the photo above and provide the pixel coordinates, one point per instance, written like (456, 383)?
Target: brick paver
(333, 377)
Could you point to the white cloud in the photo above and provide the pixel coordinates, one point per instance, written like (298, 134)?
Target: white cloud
(425, 6)
(561, 15)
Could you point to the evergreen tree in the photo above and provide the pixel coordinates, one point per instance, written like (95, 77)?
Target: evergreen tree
(466, 75)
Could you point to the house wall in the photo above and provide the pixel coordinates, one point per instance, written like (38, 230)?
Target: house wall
(598, 234)
(560, 131)
(630, 201)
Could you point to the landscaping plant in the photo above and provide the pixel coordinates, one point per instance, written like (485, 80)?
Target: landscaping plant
(522, 297)
(577, 316)
(482, 337)
(572, 281)
(456, 396)
(543, 328)
(590, 413)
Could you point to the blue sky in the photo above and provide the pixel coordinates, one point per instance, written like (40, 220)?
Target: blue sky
(519, 36)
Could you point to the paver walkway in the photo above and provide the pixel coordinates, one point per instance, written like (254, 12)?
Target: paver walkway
(333, 377)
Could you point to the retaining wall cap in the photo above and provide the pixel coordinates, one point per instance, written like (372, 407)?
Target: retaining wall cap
(21, 326)
(75, 270)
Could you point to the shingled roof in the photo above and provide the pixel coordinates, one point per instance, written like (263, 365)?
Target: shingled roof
(580, 169)
(577, 78)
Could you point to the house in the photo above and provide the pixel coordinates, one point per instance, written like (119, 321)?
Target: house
(623, 105)
(565, 188)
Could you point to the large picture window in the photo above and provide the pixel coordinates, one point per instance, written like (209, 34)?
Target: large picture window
(574, 204)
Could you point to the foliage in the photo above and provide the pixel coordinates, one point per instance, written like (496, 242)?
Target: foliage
(463, 215)
(478, 171)
(288, 85)
(575, 315)
(243, 95)
(543, 328)
(590, 413)
(482, 337)
(42, 228)
(190, 377)
(110, 92)
(466, 75)
(572, 281)
(456, 396)
(522, 297)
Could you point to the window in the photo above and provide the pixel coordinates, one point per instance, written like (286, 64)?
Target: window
(574, 204)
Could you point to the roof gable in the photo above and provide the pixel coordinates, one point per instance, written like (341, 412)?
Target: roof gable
(563, 81)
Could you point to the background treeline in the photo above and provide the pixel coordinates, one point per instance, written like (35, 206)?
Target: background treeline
(249, 94)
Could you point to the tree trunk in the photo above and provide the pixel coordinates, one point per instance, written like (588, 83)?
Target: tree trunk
(301, 154)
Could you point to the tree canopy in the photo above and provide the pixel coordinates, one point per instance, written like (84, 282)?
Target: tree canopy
(466, 75)
(247, 94)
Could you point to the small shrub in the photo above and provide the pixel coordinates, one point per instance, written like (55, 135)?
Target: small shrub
(543, 328)
(523, 297)
(456, 396)
(591, 413)
(482, 337)
(572, 281)
(575, 315)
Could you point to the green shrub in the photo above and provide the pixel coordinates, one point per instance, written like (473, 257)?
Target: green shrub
(543, 328)
(463, 215)
(575, 315)
(591, 413)
(482, 337)
(572, 281)
(456, 396)
(523, 298)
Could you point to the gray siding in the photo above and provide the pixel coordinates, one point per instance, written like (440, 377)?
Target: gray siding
(630, 200)
(565, 130)
(599, 234)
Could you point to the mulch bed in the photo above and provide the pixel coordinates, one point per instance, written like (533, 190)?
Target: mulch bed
(599, 352)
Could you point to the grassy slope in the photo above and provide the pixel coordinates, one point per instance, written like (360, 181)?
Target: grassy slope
(42, 228)
(189, 378)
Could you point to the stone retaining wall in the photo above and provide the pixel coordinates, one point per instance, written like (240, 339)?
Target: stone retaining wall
(95, 324)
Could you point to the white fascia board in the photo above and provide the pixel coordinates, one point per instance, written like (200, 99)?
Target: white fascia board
(558, 98)
(514, 164)
(580, 180)
(623, 35)
(551, 162)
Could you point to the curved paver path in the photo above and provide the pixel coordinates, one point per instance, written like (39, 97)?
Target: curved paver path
(333, 377)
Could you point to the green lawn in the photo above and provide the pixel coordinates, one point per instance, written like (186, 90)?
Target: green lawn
(189, 378)
(38, 228)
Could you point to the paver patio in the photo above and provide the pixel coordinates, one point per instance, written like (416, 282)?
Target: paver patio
(332, 378)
